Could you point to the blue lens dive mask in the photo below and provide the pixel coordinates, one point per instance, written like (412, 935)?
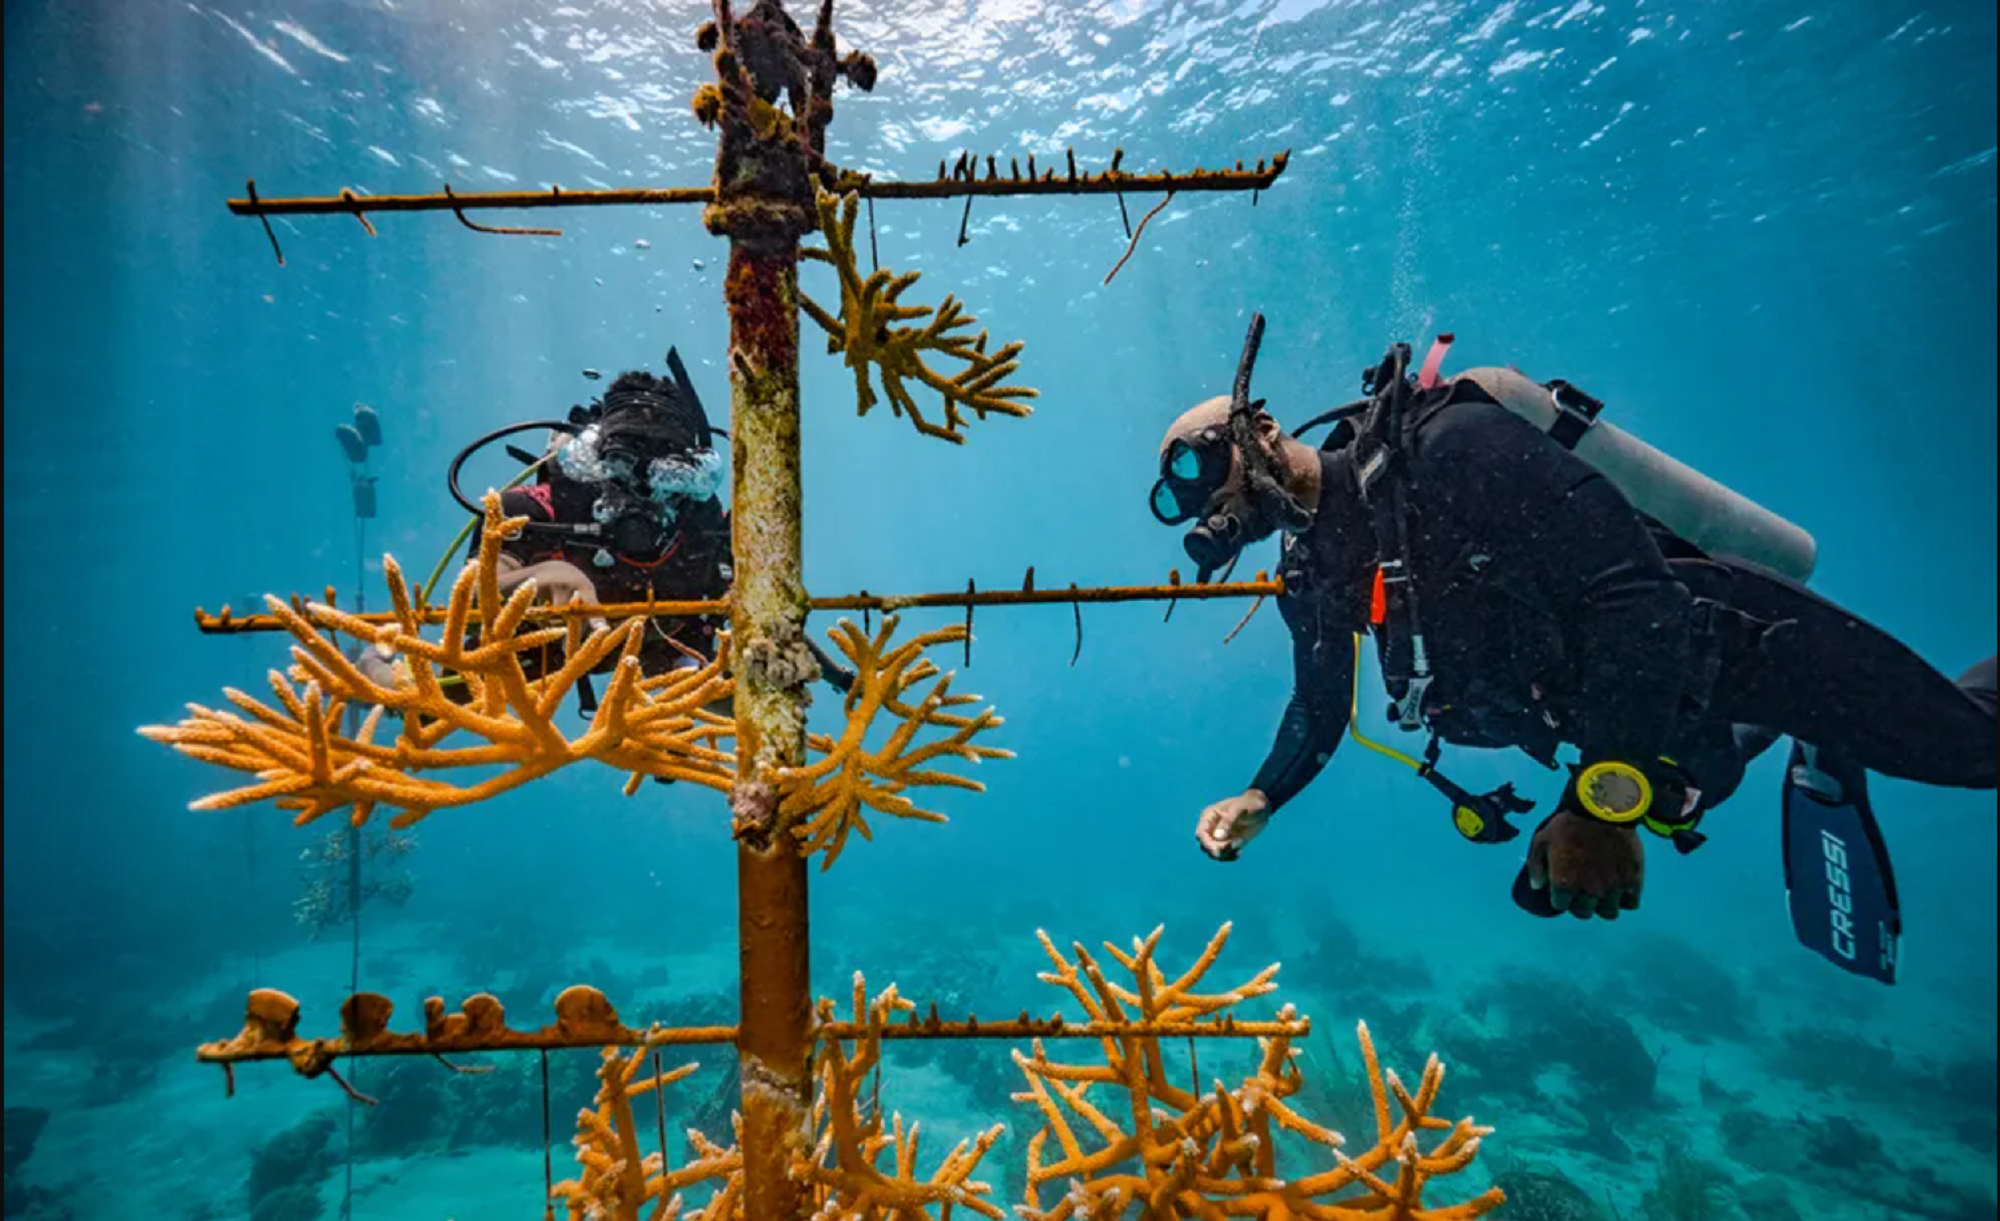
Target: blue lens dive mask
(1191, 471)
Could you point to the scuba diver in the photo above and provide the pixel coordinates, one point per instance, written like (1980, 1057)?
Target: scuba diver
(623, 507)
(1536, 578)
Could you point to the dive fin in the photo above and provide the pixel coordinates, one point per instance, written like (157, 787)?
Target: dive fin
(1838, 882)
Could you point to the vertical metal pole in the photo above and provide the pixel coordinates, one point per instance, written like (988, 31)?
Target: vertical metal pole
(764, 203)
(767, 625)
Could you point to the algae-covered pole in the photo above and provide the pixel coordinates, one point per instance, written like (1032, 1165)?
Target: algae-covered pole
(766, 168)
(768, 621)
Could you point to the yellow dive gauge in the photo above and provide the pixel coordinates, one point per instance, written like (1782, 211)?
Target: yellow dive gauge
(1614, 792)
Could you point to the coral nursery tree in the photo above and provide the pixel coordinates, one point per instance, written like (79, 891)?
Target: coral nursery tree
(1116, 1135)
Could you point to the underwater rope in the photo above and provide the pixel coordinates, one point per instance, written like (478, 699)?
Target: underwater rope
(1136, 234)
(1076, 608)
(660, 1107)
(548, 1159)
(1244, 621)
(351, 716)
(250, 867)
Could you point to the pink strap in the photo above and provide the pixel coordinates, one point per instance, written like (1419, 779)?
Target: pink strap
(1428, 377)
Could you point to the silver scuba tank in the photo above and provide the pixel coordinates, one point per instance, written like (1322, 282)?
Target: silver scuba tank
(1700, 510)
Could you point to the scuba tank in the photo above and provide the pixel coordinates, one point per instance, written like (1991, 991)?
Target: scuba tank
(1705, 513)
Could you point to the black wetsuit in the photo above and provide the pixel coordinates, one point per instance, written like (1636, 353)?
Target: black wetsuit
(1554, 614)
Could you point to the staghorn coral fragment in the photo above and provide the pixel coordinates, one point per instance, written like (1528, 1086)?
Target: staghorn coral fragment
(650, 726)
(874, 330)
(615, 1182)
(848, 1183)
(824, 801)
(1144, 1143)
(658, 726)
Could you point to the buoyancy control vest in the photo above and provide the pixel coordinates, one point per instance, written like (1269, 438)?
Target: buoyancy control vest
(1690, 515)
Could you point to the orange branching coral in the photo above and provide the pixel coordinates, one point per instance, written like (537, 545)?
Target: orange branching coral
(848, 1185)
(1178, 1154)
(868, 333)
(615, 1181)
(824, 799)
(299, 755)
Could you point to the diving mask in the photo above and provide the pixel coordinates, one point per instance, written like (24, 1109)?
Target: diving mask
(1191, 471)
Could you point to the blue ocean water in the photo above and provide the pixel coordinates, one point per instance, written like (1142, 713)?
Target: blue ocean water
(1763, 233)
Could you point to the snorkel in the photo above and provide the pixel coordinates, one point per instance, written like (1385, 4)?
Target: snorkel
(1263, 503)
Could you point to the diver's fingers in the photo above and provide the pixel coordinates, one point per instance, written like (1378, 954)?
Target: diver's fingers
(569, 594)
(1207, 831)
(1608, 908)
(1538, 863)
(1630, 899)
(1560, 898)
(1217, 847)
(1583, 906)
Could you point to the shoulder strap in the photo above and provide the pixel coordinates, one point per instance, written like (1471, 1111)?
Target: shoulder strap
(1382, 473)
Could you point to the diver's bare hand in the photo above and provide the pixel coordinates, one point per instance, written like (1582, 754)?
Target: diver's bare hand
(1589, 868)
(379, 664)
(560, 581)
(1229, 824)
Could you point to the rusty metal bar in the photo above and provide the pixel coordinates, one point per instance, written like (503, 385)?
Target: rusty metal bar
(1262, 586)
(228, 623)
(551, 1039)
(419, 1044)
(767, 617)
(763, 204)
(1025, 1027)
(348, 203)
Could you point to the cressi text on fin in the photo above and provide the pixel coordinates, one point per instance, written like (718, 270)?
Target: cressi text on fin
(1838, 881)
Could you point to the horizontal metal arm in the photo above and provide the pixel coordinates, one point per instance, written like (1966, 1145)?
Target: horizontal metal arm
(585, 1019)
(350, 203)
(228, 623)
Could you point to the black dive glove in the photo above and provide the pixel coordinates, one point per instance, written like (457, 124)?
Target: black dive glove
(1656, 796)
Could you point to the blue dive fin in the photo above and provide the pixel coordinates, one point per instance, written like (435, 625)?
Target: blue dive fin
(1838, 882)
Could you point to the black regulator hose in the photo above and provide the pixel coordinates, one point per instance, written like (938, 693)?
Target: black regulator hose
(451, 476)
